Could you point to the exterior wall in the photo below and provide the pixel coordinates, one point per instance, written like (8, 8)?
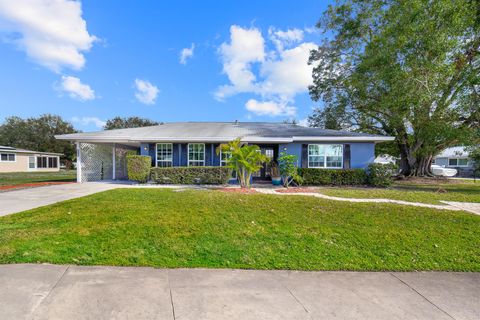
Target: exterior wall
(362, 154)
(462, 171)
(21, 164)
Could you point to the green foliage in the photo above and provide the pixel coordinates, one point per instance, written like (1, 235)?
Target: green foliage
(474, 154)
(333, 177)
(244, 159)
(213, 229)
(138, 168)
(381, 175)
(408, 69)
(130, 122)
(274, 169)
(288, 169)
(38, 134)
(190, 175)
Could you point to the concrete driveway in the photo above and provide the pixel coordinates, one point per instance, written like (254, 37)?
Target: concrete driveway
(74, 292)
(25, 199)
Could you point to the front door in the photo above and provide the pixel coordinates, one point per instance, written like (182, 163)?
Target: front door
(264, 172)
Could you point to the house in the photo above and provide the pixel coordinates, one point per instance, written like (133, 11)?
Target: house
(455, 158)
(101, 155)
(21, 160)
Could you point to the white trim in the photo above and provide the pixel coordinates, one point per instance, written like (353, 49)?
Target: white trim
(457, 158)
(324, 156)
(188, 155)
(114, 150)
(79, 162)
(156, 153)
(8, 153)
(34, 163)
(345, 139)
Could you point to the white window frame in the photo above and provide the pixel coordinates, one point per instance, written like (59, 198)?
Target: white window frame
(199, 161)
(324, 156)
(457, 165)
(223, 163)
(164, 161)
(8, 153)
(34, 163)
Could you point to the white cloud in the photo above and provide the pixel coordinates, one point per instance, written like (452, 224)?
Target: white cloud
(277, 77)
(186, 53)
(76, 89)
(303, 122)
(246, 47)
(288, 75)
(286, 38)
(51, 32)
(270, 108)
(146, 92)
(85, 121)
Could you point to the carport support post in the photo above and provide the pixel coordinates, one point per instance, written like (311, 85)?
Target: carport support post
(113, 161)
(79, 162)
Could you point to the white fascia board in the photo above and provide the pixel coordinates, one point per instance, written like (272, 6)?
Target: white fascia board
(346, 139)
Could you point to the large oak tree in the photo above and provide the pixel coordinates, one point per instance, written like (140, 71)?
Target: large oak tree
(409, 69)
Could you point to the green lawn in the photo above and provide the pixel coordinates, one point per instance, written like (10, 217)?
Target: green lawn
(16, 178)
(164, 228)
(464, 191)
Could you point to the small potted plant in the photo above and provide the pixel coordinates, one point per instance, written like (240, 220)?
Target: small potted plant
(275, 174)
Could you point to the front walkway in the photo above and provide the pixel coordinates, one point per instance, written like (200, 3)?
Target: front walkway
(75, 292)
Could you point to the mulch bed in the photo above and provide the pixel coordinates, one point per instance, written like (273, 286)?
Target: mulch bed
(33, 185)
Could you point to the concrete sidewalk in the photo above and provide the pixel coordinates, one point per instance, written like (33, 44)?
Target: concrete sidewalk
(74, 292)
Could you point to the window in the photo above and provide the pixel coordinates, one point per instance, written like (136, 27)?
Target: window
(31, 162)
(325, 156)
(196, 154)
(224, 156)
(457, 162)
(164, 155)
(47, 162)
(7, 157)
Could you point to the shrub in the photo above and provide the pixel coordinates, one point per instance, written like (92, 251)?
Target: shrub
(138, 168)
(190, 175)
(380, 175)
(288, 169)
(335, 177)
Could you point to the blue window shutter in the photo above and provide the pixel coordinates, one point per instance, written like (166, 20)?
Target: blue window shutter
(346, 156)
(304, 155)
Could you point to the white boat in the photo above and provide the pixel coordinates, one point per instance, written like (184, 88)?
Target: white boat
(443, 172)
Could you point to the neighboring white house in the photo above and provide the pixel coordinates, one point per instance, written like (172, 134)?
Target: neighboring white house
(455, 158)
(21, 160)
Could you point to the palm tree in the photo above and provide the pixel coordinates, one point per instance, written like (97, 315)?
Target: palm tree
(244, 159)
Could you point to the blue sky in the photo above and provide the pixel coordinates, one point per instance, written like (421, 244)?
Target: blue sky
(89, 61)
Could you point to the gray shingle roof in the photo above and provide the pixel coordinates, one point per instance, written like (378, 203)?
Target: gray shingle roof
(220, 131)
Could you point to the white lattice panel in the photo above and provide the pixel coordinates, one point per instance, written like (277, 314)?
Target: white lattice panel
(96, 161)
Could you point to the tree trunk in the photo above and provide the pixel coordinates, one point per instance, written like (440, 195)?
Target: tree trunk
(413, 165)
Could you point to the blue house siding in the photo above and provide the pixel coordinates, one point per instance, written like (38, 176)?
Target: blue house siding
(362, 154)
(292, 148)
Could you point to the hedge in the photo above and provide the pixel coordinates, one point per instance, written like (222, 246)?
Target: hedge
(380, 175)
(190, 175)
(138, 168)
(334, 177)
